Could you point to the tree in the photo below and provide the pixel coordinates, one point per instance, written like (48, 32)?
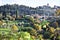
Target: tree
(33, 32)
(38, 27)
(58, 12)
(44, 24)
(24, 36)
(40, 37)
(1, 22)
(58, 37)
(17, 13)
(56, 24)
(46, 35)
(14, 28)
(52, 30)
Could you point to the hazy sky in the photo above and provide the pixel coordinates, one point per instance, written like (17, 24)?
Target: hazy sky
(32, 3)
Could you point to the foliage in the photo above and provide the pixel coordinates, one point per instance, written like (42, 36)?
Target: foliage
(24, 35)
(34, 32)
(14, 28)
(40, 37)
(57, 12)
(52, 30)
(1, 22)
(46, 35)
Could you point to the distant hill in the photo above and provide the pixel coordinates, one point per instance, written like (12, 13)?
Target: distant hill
(22, 9)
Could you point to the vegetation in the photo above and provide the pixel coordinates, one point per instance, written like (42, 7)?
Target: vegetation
(15, 30)
(25, 27)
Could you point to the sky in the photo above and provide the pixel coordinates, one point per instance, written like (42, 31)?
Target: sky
(32, 3)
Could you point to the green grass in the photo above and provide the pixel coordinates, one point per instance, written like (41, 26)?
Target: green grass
(12, 22)
(4, 29)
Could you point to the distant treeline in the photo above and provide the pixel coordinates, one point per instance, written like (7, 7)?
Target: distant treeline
(22, 9)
